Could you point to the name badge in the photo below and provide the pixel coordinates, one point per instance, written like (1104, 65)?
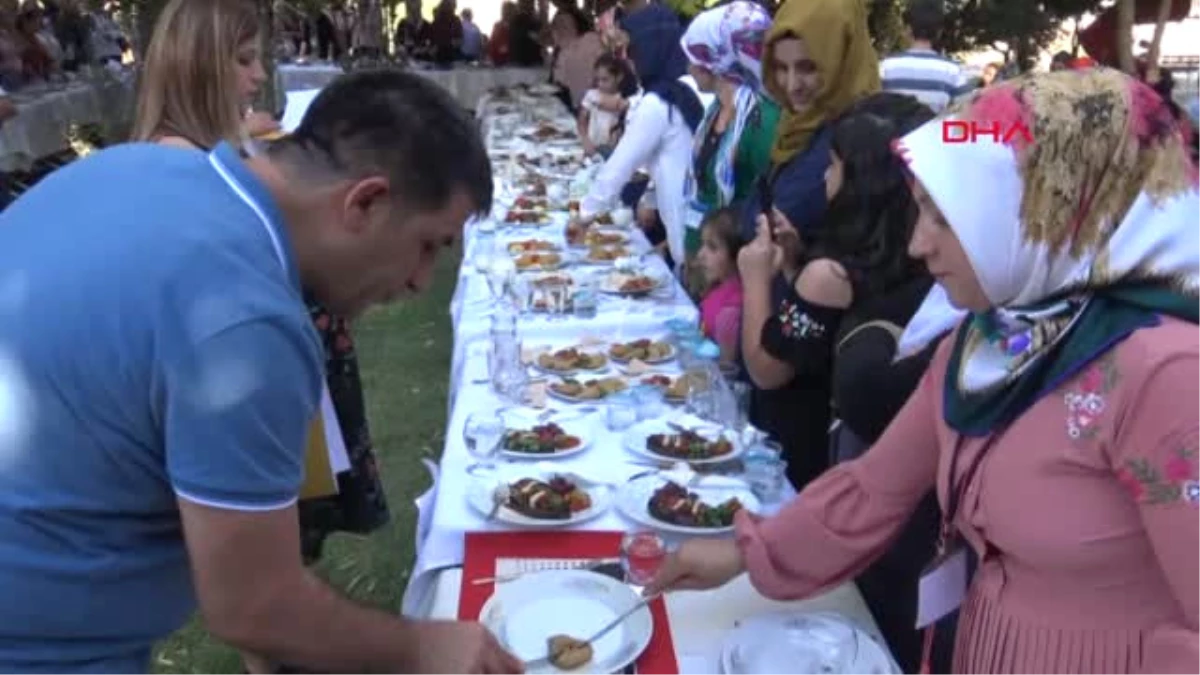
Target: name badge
(943, 585)
(693, 216)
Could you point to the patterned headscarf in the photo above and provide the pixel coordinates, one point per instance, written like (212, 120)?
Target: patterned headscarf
(1080, 232)
(728, 41)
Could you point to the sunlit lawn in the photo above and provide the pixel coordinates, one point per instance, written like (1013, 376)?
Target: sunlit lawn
(404, 354)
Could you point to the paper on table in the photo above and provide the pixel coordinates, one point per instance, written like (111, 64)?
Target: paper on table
(295, 107)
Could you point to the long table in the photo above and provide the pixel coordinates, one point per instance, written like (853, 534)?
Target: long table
(698, 620)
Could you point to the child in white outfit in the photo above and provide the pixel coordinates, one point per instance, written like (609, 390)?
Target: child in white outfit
(602, 107)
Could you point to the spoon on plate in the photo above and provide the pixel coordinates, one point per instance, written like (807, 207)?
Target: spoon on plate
(529, 665)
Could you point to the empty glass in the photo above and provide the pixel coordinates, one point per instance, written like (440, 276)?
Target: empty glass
(482, 434)
(622, 411)
(649, 401)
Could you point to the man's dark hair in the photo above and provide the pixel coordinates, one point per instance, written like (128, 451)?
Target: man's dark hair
(397, 124)
(925, 19)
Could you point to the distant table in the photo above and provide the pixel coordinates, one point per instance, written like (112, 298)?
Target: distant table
(46, 113)
(469, 84)
(296, 77)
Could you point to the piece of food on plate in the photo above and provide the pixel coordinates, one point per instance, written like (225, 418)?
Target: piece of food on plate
(565, 360)
(589, 390)
(644, 350)
(543, 439)
(556, 499)
(673, 504)
(576, 233)
(529, 261)
(531, 246)
(531, 202)
(602, 238)
(606, 253)
(526, 217)
(673, 388)
(603, 219)
(688, 445)
(637, 284)
(568, 653)
(551, 280)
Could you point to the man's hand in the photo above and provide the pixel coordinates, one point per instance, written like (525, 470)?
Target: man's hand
(462, 647)
(647, 217)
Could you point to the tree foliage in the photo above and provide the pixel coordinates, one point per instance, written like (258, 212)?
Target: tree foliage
(1020, 28)
(885, 19)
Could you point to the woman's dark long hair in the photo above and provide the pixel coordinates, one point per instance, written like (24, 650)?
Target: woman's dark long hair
(870, 219)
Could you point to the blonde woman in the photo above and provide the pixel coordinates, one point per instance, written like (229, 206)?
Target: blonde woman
(203, 69)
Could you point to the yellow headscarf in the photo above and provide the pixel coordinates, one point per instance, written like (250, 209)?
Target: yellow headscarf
(836, 37)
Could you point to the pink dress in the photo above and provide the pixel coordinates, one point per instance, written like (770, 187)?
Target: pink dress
(1083, 513)
(721, 314)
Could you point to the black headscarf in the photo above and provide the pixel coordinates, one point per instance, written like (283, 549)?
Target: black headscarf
(654, 33)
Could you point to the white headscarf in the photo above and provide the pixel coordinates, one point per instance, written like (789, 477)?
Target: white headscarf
(1105, 195)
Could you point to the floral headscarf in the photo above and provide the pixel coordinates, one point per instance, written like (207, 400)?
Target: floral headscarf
(1089, 231)
(728, 41)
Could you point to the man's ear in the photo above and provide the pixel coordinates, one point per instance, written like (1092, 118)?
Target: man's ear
(363, 196)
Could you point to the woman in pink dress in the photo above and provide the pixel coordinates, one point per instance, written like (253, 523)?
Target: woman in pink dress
(1058, 422)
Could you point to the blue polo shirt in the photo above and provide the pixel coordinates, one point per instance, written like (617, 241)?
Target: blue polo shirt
(154, 345)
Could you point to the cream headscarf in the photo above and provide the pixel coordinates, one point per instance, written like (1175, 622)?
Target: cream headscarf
(836, 37)
(1078, 236)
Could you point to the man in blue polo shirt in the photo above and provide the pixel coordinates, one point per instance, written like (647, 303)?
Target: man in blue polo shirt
(158, 370)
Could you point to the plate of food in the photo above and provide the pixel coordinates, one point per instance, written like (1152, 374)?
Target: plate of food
(699, 507)
(540, 499)
(631, 285)
(552, 280)
(547, 613)
(531, 246)
(644, 350)
(675, 389)
(569, 360)
(531, 218)
(580, 237)
(689, 440)
(532, 202)
(577, 391)
(548, 440)
(605, 255)
(545, 261)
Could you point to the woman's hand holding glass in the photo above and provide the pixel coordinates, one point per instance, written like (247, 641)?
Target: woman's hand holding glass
(697, 565)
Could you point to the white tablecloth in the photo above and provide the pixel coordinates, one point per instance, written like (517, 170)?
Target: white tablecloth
(45, 116)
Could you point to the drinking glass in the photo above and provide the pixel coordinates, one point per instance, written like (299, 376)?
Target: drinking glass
(642, 554)
(586, 302)
(740, 392)
(622, 411)
(484, 251)
(649, 401)
(482, 434)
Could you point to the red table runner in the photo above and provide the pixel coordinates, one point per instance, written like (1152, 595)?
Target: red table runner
(483, 548)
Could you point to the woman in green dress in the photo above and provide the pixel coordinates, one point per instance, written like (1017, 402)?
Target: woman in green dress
(732, 146)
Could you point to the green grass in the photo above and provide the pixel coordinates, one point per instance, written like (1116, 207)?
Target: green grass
(404, 354)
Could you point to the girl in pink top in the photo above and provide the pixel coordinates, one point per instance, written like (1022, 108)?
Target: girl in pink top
(721, 308)
(1057, 424)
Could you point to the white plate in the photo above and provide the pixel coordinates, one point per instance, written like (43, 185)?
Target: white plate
(792, 642)
(635, 438)
(670, 355)
(524, 613)
(612, 285)
(481, 488)
(633, 500)
(573, 399)
(575, 427)
(568, 373)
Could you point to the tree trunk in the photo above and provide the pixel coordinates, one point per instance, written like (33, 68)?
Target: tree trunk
(270, 99)
(145, 13)
(1160, 25)
(1125, 15)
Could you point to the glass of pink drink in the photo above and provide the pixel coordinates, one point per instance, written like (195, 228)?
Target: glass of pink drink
(642, 553)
